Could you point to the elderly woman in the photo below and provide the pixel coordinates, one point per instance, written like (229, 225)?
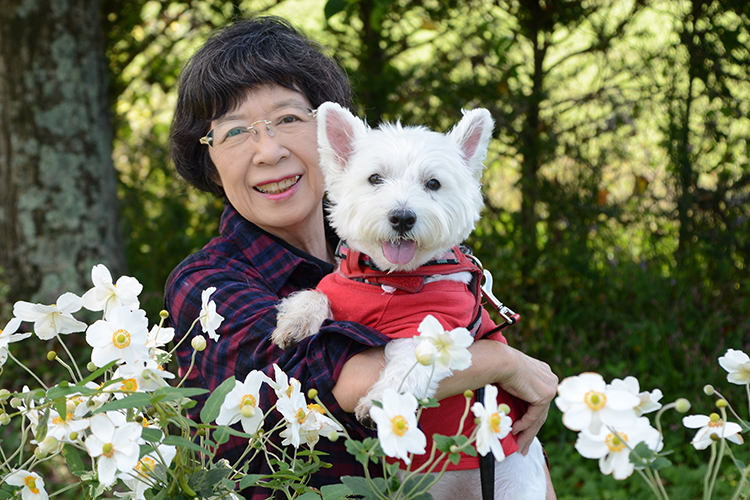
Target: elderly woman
(244, 129)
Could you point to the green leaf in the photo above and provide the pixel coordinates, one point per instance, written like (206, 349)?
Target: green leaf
(335, 491)
(221, 434)
(309, 495)
(251, 480)
(359, 486)
(184, 443)
(74, 460)
(175, 393)
(41, 427)
(213, 405)
(333, 7)
(135, 400)
(660, 463)
(58, 392)
(96, 374)
(154, 435)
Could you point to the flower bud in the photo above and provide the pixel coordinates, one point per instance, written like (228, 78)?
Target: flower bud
(708, 390)
(426, 352)
(453, 448)
(70, 406)
(163, 314)
(333, 436)
(4, 419)
(714, 437)
(16, 402)
(73, 436)
(39, 454)
(312, 394)
(4, 394)
(468, 394)
(503, 408)
(48, 445)
(682, 405)
(51, 356)
(198, 343)
(90, 366)
(722, 403)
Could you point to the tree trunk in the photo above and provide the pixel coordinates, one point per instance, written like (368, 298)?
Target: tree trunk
(58, 204)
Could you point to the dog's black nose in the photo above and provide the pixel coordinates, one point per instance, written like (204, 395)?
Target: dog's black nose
(402, 220)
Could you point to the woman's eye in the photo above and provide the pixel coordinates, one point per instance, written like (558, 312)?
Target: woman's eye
(234, 132)
(375, 179)
(432, 184)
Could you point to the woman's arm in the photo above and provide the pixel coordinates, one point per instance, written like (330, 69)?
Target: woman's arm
(522, 376)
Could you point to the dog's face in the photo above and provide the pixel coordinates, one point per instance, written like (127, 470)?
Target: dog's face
(402, 195)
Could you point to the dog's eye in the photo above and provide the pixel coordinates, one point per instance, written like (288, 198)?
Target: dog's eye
(432, 184)
(375, 179)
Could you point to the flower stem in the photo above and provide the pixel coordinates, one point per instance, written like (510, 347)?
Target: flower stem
(44, 386)
(72, 359)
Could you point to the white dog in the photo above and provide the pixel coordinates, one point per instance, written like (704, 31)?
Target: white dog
(402, 200)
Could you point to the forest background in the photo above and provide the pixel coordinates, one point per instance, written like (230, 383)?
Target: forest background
(617, 216)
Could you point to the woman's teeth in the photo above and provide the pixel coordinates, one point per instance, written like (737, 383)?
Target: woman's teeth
(278, 187)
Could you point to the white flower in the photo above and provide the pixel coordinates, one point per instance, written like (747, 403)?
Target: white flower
(241, 404)
(122, 336)
(140, 376)
(140, 478)
(493, 426)
(61, 429)
(281, 384)
(33, 484)
(587, 403)
(51, 320)
(305, 422)
(737, 364)
(398, 432)
(159, 337)
(105, 295)
(85, 404)
(613, 448)
(452, 346)
(116, 446)
(709, 426)
(649, 401)
(8, 335)
(209, 318)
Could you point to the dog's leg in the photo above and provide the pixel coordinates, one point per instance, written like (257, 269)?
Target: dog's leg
(399, 360)
(520, 477)
(299, 316)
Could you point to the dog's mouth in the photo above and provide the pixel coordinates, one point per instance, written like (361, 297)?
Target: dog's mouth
(278, 187)
(399, 252)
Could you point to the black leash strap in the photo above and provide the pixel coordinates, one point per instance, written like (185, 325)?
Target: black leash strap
(486, 465)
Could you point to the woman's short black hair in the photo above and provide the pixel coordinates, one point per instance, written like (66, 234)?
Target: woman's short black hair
(236, 59)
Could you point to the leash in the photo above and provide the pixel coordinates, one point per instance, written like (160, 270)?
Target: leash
(487, 462)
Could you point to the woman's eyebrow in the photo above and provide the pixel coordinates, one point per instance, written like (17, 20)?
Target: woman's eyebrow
(287, 103)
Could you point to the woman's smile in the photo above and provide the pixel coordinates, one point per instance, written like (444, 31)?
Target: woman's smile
(276, 187)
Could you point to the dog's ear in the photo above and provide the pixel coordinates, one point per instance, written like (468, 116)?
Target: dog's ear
(472, 134)
(338, 130)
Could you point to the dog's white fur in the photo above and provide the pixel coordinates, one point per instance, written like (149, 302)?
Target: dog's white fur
(370, 174)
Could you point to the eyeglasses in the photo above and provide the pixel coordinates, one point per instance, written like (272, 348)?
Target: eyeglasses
(285, 123)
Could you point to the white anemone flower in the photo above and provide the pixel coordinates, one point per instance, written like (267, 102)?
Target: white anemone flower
(116, 446)
(33, 484)
(143, 474)
(737, 365)
(61, 428)
(210, 320)
(282, 385)
(587, 403)
(120, 337)
(159, 336)
(8, 335)
(494, 424)
(612, 446)
(89, 403)
(649, 401)
(396, 421)
(711, 428)
(452, 346)
(105, 295)
(242, 403)
(142, 375)
(305, 422)
(51, 320)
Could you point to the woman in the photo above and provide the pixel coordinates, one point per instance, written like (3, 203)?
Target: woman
(244, 129)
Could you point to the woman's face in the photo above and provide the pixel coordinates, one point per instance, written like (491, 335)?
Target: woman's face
(274, 180)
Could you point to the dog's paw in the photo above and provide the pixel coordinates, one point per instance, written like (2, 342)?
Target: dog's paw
(299, 316)
(362, 412)
(283, 338)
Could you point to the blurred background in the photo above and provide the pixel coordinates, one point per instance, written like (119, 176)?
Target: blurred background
(617, 182)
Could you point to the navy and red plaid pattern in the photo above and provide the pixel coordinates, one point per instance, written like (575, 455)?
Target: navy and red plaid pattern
(251, 271)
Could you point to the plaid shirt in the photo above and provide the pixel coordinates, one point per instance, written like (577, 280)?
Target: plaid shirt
(251, 271)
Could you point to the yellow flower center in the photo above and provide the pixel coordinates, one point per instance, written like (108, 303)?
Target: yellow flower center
(30, 482)
(301, 415)
(495, 420)
(715, 420)
(616, 442)
(129, 385)
(595, 400)
(316, 408)
(249, 400)
(400, 425)
(58, 420)
(121, 339)
(108, 450)
(145, 465)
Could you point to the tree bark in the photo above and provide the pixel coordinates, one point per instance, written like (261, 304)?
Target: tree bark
(58, 203)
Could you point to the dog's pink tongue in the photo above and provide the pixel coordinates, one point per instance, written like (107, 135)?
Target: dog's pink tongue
(399, 252)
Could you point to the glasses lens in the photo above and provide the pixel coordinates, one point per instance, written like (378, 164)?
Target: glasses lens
(282, 125)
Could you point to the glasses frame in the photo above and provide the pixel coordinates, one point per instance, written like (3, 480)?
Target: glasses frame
(209, 137)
